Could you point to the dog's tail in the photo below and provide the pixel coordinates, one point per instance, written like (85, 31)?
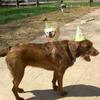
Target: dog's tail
(4, 51)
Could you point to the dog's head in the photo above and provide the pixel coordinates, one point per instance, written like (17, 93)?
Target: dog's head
(51, 28)
(84, 48)
(50, 32)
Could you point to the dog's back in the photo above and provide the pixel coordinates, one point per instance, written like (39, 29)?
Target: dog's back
(36, 54)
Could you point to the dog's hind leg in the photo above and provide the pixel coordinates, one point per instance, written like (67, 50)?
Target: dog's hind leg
(16, 68)
(16, 82)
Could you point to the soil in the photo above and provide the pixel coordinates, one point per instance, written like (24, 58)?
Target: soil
(26, 30)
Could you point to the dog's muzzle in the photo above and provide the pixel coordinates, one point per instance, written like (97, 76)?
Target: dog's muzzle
(51, 35)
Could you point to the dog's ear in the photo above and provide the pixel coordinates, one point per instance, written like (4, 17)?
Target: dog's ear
(45, 19)
(73, 46)
(86, 44)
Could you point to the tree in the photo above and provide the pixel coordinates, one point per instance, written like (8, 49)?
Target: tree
(0, 2)
(37, 3)
(17, 3)
(91, 2)
(61, 1)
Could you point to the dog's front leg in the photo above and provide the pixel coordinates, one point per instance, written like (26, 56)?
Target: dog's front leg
(60, 83)
(55, 87)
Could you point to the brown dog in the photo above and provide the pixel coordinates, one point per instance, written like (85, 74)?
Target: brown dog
(39, 55)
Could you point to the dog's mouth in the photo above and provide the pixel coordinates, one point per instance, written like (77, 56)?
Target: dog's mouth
(94, 53)
(51, 34)
(87, 58)
(88, 54)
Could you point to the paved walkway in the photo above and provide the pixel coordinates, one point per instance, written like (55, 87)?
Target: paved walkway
(82, 81)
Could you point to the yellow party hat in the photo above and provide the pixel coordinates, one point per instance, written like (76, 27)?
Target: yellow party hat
(79, 35)
(47, 26)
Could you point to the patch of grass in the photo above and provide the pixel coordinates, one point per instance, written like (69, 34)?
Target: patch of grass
(79, 4)
(10, 14)
(96, 4)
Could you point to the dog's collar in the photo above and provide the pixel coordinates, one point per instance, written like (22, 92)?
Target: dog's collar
(73, 59)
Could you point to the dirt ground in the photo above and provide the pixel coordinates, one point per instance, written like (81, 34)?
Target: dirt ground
(28, 29)
(81, 81)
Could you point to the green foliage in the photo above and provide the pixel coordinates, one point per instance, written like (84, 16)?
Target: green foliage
(96, 4)
(10, 14)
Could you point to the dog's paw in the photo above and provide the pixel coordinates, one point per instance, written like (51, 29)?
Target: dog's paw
(20, 90)
(55, 88)
(64, 93)
(20, 98)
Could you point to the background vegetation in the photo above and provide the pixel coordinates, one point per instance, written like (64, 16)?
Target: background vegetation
(8, 14)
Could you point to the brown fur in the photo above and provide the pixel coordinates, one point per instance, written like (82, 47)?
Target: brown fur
(40, 55)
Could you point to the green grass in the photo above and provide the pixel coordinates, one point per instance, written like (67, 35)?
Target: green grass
(96, 4)
(10, 14)
(79, 4)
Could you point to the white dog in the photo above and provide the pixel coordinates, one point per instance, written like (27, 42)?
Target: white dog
(51, 30)
(62, 6)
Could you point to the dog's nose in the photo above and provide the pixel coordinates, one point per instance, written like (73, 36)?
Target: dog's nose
(94, 52)
(50, 34)
(97, 52)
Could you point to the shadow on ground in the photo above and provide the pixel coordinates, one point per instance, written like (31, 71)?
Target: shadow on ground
(73, 91)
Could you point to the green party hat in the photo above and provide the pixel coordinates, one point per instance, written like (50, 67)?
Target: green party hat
(47, 26)
(79, 35)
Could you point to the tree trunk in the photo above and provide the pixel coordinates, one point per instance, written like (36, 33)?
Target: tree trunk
(91, 2)
(61, 1)
(0, 2)
(37, 3)
(17, 3)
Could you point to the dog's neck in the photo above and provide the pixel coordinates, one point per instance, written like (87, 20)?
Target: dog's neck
(73, 59)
